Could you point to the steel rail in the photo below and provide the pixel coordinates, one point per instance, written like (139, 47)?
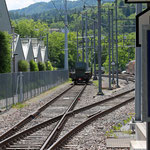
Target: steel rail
(29, 131)
(51, 138)
(87, 122)
(30, 117)
(122, 77)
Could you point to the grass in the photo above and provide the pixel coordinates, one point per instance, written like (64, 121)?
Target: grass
(117, 127)
(95, 83)
(127, 132)
(19, 105)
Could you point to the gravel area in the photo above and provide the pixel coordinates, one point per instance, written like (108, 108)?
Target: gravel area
(90, 94)
(93, 136)
(14, 115)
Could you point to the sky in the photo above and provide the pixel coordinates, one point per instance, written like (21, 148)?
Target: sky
(18, 4)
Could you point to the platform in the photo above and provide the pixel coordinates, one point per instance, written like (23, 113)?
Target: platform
(140, 142)
(118, 143)
(138, 145)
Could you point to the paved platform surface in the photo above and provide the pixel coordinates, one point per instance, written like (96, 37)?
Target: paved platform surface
(118, 143)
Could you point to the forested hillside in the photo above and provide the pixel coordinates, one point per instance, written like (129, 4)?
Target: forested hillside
(38, 25)
(43, 7)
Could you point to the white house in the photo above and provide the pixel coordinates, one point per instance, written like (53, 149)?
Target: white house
(5, 24)
(43, 52)
(18, 53)
(36, 50)
(27, 49)
(22, 48)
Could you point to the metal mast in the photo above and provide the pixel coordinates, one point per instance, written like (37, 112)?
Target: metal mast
(66, 37)
(99, 49)
(112, 38)
(109, 50)
(86, 42)
(95, 77)
(117, 79)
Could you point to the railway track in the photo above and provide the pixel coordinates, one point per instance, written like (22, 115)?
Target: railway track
(126, 77)
(34, 115)
(59, 106)
(79, 121)
(48, 131)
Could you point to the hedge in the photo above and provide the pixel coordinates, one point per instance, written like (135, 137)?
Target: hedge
(33, 66)
(23, 66)
(41, 66)
(5, 52)
(49, 66)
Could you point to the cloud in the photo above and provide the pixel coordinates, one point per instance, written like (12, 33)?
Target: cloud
(18, 4)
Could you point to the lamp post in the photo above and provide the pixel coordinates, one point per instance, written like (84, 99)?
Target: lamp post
(13, 49)
(14, 62)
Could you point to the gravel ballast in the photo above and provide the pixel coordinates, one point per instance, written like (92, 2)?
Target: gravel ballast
(94, 135)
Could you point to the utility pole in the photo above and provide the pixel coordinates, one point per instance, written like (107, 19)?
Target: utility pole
(138, 75)
(95, 77)
(109, 49)
(92, 55)
(99, 49)
(77, 48)
(86, 41)
(66, 37)
(116, 12)
(83, 35)
(47, 47)
(112, 38)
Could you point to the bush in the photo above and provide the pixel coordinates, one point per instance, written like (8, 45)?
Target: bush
(41, 66)
(49, 66)
(33, 66)
(23, 66)
(5, 52)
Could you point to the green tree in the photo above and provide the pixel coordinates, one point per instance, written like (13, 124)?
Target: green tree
(56, 46)
(33, 66)
(5, 52)
(49, 66)
(126, 52)
(23, 66)
(41, 66)
(30, 28)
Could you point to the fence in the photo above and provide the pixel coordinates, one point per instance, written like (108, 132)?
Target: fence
(18, 87)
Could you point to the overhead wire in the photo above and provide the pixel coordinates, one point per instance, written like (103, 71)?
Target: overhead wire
(58, 11)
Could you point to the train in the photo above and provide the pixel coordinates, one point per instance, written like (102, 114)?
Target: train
(130, 68)
(81, 74)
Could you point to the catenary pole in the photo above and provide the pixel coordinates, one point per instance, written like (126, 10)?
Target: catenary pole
(83, 36)
(99, 49)
(95, 76)
(86, 41)
(47, 47)
(112, 38)
(109, 50)
(77, 47)
(92, 54)
(138, 75)
(66, 37)
(116, 13)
